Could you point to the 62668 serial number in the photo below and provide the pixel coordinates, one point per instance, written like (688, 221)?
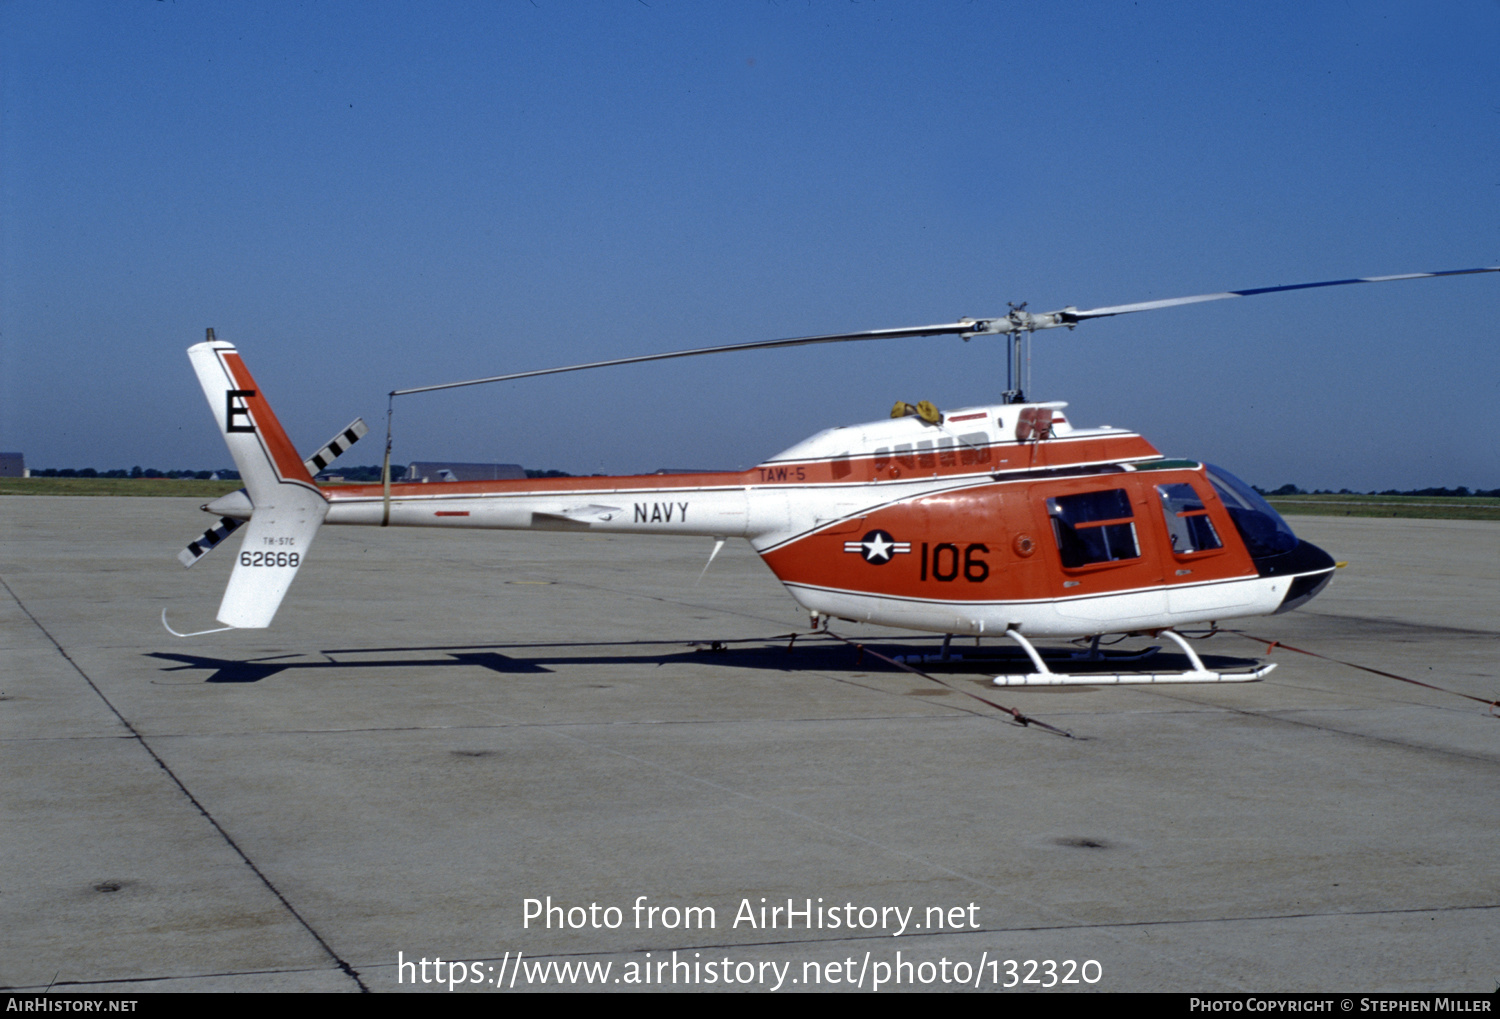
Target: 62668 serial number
(270, 558)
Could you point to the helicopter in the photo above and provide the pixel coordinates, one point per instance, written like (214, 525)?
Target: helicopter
(1004, 520)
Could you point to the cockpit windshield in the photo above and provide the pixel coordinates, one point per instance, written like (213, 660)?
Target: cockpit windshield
(1265, 533)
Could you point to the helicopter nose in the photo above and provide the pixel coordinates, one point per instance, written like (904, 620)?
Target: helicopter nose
(1311, 569)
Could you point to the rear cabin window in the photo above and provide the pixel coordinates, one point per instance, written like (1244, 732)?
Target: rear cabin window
(1093, 527)
(1187, 520)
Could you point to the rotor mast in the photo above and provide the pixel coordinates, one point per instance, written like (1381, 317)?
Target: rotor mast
(1019, 324)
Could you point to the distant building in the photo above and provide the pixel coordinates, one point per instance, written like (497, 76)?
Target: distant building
(433, 472)
(13, 465)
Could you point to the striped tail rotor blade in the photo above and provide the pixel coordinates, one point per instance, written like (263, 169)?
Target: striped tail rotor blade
(208, 540)
(336, 446)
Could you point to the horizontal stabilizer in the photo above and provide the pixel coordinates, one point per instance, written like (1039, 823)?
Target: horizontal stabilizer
(331, 451)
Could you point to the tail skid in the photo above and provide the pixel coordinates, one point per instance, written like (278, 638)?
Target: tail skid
(289, 508)
(195, 633)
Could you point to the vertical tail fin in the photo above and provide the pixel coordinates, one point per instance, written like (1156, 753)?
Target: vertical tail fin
(288, 508)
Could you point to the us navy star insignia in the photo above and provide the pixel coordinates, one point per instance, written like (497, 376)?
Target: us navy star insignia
(877, 548)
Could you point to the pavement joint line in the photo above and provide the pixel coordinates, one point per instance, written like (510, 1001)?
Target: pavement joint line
(1384, 698)
(1393, 625)
(1158, 952)
(945, 708)
(202, 810)
(1271, 715)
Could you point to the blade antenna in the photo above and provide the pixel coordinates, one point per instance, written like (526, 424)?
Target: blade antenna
(718, 544)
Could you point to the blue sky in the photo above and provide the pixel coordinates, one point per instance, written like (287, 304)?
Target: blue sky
(372, 196)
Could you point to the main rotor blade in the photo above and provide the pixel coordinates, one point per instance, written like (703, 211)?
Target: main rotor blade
(1071, 316)
(1017, 320)
(799, 341)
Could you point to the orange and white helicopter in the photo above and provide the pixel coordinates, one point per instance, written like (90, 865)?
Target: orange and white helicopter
(1002, 520)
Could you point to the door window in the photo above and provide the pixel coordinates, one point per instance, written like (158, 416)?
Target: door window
(1187, 520)
(1093, 527)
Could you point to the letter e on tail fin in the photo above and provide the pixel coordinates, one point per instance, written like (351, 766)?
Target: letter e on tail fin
(262, 452)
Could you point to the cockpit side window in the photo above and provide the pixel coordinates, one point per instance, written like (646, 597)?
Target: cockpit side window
(1187, 520)
(1093, 527)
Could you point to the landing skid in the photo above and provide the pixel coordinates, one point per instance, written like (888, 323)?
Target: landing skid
(1044, 676)
(1093, 654)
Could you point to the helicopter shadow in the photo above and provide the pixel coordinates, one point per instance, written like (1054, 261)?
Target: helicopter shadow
(717, 653)
(769, 654)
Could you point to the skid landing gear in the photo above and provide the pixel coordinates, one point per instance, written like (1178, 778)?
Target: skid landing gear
(1044, 676)
(1093, 654)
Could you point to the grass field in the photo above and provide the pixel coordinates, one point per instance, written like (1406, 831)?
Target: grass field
(117, 486)
(1418, 506)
